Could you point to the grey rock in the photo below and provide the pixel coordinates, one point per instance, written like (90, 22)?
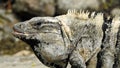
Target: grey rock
(94, 5)
(115, 12)
(8, 43)
(35, 7)
(64, 5)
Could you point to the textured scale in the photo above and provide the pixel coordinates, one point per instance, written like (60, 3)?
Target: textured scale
(81, 38)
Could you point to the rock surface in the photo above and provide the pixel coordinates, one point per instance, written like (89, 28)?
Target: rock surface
(29, 61)
(115, 12)
(64, 5)
(97, 5)
(35, 7)
(20, 62)
(8, 43)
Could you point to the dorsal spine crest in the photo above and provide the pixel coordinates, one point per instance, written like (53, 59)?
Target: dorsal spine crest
(115, 24)
(81, 14)
(84, 15)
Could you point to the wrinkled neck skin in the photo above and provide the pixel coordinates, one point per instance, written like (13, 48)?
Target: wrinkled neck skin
(85, 33)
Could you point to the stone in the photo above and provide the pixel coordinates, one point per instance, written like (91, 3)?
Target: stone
(64, 5)
(35, 7)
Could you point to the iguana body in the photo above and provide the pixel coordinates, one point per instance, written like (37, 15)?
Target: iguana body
(74, 37)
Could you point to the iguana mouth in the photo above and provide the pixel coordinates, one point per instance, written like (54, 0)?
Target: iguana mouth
(19, 33)
(17, 30)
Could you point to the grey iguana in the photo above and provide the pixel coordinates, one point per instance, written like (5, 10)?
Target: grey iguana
(76, 38)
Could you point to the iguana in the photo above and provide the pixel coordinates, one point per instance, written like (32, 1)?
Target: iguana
(76, 38)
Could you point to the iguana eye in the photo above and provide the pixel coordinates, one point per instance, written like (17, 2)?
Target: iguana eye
(37, 24)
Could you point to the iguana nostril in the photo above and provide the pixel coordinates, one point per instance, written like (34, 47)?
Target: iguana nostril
(21, 26)
(18, 27)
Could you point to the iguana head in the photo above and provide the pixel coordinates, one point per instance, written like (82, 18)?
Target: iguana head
(45, 36)
(38, 29)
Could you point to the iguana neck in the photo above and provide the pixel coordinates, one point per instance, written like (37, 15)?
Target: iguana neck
(75, 25)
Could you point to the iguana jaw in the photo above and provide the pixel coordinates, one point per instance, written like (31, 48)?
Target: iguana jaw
(20, 33)
(17, 32)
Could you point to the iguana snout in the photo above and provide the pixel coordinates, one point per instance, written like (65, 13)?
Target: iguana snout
(35, 26)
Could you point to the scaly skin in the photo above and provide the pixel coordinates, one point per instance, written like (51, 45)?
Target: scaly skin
(74, 38)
